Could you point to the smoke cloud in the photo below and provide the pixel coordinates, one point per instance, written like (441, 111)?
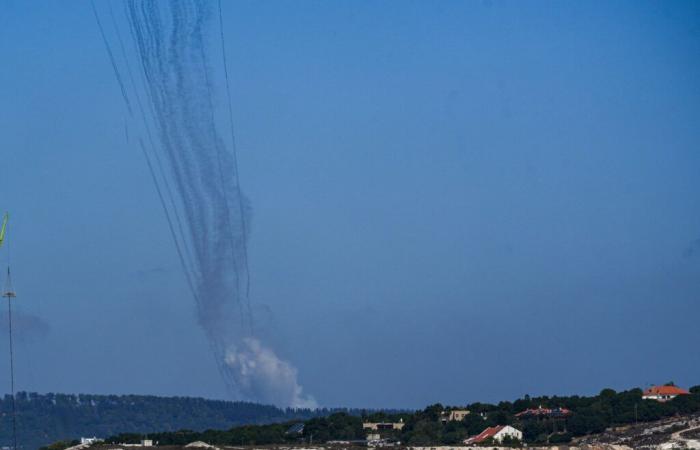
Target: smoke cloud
(25, 327)
(270, 379)
(692, 249)
(170, 95)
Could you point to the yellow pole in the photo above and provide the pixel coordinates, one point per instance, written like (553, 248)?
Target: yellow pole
(4, 227)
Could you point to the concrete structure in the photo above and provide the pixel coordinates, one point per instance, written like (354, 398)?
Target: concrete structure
(544, 412)
(378, 426)
(663, 393)
(90, 441)
(497, 434)
(144, 443)
(454, 415)
(200, 444)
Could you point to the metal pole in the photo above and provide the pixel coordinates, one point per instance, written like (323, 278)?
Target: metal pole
(12, 373)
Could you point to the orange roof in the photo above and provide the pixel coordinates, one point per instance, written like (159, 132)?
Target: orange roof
(665, 390)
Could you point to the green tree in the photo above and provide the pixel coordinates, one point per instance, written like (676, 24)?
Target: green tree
(510, 441)
(560, 438)
(474, 424)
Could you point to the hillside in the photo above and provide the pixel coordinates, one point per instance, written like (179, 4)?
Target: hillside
(46, 418)
(543, 421)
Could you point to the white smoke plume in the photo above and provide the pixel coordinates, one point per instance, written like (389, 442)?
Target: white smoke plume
(170, 93)
(264, 376)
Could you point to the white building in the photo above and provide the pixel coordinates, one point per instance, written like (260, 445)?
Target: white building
(663, 393)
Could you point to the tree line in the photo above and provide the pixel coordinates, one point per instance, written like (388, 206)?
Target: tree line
(589, 415)
(46, 418)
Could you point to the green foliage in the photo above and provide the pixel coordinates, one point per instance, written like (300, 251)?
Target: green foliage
(46, 418)
(474, 424)
(186, 420)
(533, 430)
(243, 435)
(454, 437)
(510, 441)
(60, 445)
(590, 415)
(560, 438)
(339, 426)
(501, 417)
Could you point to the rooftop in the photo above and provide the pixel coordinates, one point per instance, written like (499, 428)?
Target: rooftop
(486, 434)
(665, 390)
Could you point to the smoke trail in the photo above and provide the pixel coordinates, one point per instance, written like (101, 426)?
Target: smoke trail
(207, 213)
(111, 57)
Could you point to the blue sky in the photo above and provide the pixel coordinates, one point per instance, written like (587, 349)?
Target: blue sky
(452, 201)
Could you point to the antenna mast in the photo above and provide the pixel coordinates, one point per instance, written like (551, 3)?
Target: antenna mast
(9, 293)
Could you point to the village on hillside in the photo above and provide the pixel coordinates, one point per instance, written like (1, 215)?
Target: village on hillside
(665, 417)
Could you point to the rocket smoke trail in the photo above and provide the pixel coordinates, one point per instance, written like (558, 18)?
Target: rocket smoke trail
(197, 182)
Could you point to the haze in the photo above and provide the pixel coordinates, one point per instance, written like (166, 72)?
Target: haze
(452, 201)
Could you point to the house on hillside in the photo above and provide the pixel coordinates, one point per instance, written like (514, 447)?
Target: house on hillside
(380, 433)
(497, 434)
(379, 426)
(454, 415)
(663, 393)
(544, 412)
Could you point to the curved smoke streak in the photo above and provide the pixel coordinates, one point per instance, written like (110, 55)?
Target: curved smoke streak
(196, 177)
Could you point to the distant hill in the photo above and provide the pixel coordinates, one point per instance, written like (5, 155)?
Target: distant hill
(46, 418)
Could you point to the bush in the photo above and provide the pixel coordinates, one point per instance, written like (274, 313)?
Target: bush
(60, 445)
(560, 438)
(510, 441)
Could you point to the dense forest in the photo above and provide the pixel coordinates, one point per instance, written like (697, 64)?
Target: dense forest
(46, 418)
(588, 415)
(427, 427)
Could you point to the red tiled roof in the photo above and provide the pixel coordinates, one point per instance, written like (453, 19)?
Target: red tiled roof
(665, 390)
(486, 434)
